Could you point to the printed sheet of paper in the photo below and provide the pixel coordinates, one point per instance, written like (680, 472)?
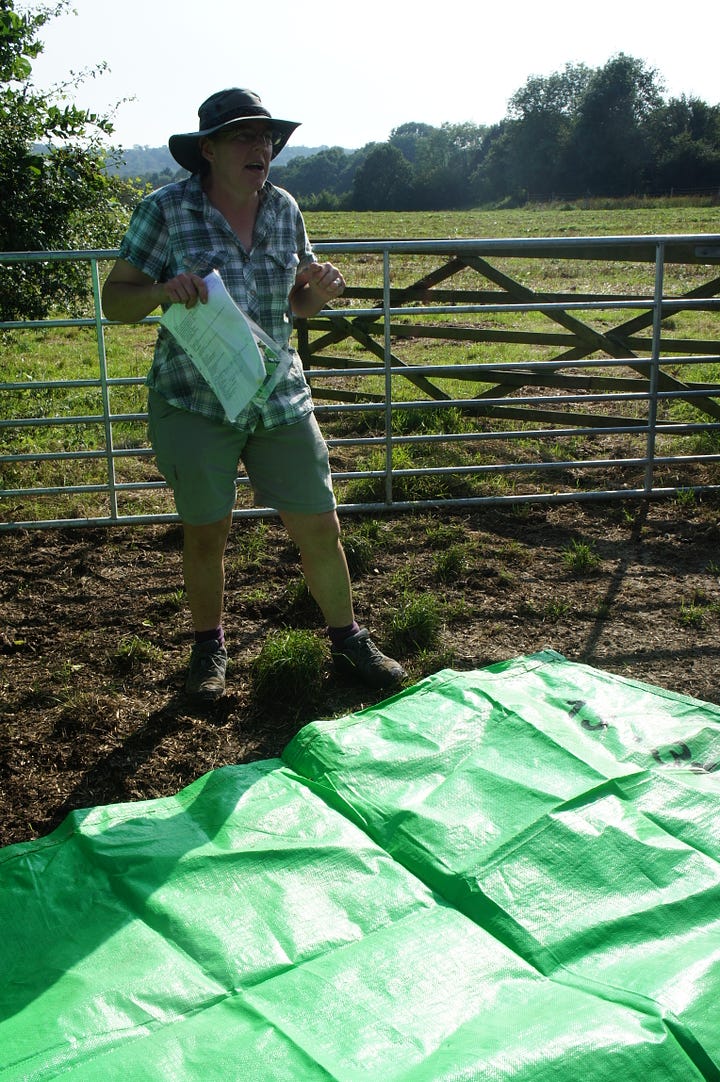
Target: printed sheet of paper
(219, 340)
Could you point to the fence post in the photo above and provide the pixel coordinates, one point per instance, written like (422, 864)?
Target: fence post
(654, 367)
(388, 378)
(104, 391)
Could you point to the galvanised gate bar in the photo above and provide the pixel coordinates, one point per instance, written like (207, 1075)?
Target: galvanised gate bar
(450, 374)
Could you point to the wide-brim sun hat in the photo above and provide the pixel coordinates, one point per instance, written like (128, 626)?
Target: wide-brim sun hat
(219, 111)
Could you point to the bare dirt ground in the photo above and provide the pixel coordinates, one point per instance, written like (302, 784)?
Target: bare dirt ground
(93, 641)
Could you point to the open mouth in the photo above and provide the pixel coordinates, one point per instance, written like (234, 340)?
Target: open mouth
(257, 167)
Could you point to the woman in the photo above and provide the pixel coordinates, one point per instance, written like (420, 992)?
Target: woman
(227, 216)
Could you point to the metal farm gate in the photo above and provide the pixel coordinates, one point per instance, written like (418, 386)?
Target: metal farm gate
(451, 373)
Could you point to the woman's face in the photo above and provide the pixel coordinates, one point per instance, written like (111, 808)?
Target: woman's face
(241, 156)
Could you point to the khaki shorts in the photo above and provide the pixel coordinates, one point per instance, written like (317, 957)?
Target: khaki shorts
(288, 466)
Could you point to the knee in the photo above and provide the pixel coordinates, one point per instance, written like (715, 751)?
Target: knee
(330, 528)
(206, 541)
(315, 532)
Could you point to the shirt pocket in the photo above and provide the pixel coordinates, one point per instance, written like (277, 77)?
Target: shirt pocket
(282, 267)
(201, 261)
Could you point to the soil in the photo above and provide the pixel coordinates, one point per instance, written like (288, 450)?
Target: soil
(94, 638)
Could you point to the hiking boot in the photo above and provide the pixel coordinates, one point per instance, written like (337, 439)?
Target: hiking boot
(358, 656)
(206, 674)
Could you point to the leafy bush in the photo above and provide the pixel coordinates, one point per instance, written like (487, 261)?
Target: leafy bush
(56, 191)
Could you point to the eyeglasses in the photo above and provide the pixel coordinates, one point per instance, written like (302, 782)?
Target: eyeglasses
(248, 136)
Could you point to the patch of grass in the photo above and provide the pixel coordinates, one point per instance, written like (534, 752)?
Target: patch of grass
(66, 671)
(360, 549)
(580, 557)
(691, 614)
(287, 674)
(444, 533)
(628, 515)
(686, 499)
(362, 540)
(414, 486)
(250, 546)
(556, 608)
(80, 711)
(402, 579)
(695, 610)
(406, 422)
(258, 597)
(431, 661)
(133, 651)
(451, 563)
(457, 610)
(512, 551)
(506, 577)
(172, 601)
(415, 624)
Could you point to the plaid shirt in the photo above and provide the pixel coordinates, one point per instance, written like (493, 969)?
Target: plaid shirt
(177, 229)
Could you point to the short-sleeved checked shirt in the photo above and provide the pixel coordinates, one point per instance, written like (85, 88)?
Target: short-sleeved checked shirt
(177, 229)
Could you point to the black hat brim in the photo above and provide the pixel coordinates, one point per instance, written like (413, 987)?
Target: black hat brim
(185, 149)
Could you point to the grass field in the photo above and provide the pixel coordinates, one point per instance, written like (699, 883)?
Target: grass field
(37, 359)
(554, 220)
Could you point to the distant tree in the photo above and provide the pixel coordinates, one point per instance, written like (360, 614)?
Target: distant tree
(684, 135)
(409, 139)
(442, 159)
(56, 193)
(608, 152)
(491, 180)
(324, 200)
(541, 116)
(384, 181)
(558, 94)
(328, 170)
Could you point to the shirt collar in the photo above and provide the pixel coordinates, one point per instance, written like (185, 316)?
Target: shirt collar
(193, 195)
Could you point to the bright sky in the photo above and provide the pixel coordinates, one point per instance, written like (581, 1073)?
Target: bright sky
(351, 72)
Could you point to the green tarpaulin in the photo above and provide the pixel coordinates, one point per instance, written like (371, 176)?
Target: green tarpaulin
(512, 873)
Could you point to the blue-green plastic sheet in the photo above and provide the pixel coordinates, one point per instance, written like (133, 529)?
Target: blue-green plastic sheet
(512, 873)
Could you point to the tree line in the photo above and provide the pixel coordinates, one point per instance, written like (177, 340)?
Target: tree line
(580, 132)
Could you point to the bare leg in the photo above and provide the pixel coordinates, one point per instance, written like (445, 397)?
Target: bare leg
(323, 563)
(204, 571)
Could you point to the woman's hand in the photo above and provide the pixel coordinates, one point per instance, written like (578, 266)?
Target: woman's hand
(129, 295)
(187, 289)
(324, 277)
(315, 285)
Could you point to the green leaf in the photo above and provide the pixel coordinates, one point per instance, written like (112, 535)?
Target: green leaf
(21, 68)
